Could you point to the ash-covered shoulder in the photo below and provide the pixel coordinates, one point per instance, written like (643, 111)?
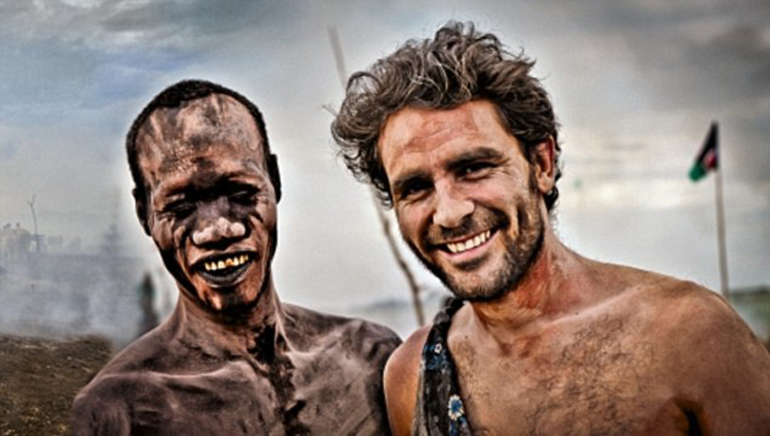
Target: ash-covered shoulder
(309, 329)
(132, 377)
(150, 352)
(107, 405)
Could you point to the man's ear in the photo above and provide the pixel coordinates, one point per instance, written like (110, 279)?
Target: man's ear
(140, 203)
(275, 175)
(545, 165)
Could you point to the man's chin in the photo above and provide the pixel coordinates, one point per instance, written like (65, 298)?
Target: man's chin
(230, 301)
(476, 292)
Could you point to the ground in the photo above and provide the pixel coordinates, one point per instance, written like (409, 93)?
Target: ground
(39, 379)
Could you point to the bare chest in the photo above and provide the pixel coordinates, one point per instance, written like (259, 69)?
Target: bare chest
(296, 397)
(599, 377)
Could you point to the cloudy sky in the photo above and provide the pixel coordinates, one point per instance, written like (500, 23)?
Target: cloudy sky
(635, 86)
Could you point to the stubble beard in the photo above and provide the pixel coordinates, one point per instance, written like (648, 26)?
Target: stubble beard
(520, 254)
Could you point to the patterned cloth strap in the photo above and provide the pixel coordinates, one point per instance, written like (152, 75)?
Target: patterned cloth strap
(440, 409)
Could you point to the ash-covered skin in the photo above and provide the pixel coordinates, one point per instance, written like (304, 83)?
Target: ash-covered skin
(232, 359)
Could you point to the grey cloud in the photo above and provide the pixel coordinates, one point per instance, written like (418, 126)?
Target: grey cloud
(205, 17)
(739, 56)
(43, 73)
(155, 24)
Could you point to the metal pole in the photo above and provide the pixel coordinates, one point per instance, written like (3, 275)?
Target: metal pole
(725, 283)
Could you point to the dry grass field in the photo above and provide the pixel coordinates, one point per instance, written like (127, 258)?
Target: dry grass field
(39, 379)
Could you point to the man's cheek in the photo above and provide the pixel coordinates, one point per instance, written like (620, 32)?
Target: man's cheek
(166, 238)
(177, 235)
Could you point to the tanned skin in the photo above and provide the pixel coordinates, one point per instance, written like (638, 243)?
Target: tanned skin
(575, 346)
(232, 359)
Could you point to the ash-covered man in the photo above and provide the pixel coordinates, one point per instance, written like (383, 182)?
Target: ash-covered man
(460, 138)
(232, 359)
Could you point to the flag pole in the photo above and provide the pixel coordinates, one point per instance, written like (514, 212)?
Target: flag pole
(725, 283)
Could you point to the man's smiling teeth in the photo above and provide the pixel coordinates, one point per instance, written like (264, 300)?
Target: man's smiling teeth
(459, 247)
(226, 263)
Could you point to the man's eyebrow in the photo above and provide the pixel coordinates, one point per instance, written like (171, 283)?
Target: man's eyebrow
(409, 179)
(205, 181)
(471, 156)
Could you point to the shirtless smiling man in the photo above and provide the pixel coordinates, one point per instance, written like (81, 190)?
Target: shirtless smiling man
(459, 137)
(232, 358)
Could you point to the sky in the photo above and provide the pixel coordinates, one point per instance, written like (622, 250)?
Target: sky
(635, 85)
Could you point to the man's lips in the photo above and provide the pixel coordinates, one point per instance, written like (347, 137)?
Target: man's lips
(224, 269)
(214, 265)
(468, 243)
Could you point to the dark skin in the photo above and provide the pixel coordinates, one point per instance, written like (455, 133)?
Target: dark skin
(574, 346)
(232, 359)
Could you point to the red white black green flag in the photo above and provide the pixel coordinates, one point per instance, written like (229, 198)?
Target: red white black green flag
(708, 158)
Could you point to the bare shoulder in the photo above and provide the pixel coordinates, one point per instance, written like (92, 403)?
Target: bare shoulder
(706, 354)
(677, 304)
(401, 381)
(697, 322)
(671, 305)
(151, 352)
(105, 405)
(309, 329)
(127, 380)
(344, 359)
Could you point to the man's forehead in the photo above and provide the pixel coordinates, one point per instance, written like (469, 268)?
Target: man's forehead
(411, 127)
(212, 133)
(199, 122)
(173, 134)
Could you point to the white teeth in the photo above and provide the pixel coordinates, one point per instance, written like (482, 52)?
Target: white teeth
(227, 263)
(458, 247)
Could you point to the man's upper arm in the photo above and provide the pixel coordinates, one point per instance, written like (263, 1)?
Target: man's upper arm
(724, 368)
(92, 414)
(400, 381)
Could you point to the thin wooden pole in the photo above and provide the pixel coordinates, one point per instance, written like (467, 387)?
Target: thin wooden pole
(381, 214)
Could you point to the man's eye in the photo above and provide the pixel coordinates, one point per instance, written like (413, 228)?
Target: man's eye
(180, 208)
(244, 196)
(474, 168)
(413, 191)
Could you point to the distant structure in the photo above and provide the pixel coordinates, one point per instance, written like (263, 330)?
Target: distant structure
(149, 316)
(14, 244)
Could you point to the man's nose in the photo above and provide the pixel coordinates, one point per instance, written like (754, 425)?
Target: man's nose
(218, 230)
(451, 206)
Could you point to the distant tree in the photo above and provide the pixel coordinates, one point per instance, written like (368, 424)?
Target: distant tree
(36, 235)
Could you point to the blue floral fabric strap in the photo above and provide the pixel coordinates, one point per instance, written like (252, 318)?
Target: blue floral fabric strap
(440, 409)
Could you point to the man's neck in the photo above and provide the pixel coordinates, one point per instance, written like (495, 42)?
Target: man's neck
(255, 330)
(546, 291)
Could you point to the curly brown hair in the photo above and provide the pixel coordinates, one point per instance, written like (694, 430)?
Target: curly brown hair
(458, 65)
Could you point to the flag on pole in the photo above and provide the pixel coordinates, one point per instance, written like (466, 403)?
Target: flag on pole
(708, 158)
